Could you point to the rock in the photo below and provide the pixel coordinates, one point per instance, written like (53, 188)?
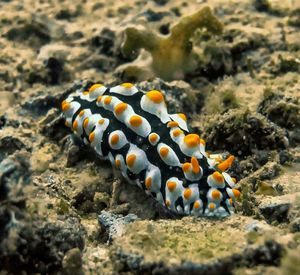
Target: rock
(27, 244)
(53, 126)
(40, 105)
(7, 121)
(152, 16)
(88, 185)
(9, 145)
(13, 170)
(54, 50)
(272, 7)
(55, 70)
(7, 99)
(246, 42)
(72, 262)
(76, 35)
(101, 201)
(275, 212)
(99, 62)
(221, 102)
(127, 262)
(270, 253)
(258, 177)
(63, 235)
(280, 109)
(284, 111)
(294, 18)
(63, 207)
(294, 214)
(262, 5)
(104, 42)
(42, 158)
(295, 225)
(257, 226)
(50, 65)
(3, 121)
(289, 263)
(285, 156)
(161, 2)
(69, 13)
(239, 131)
(35, 33)
(269, 171)
(74, 155)
(83, 200)
(164, 29)
(287, 63)
(218, 62)
(114, 224)
(177, 250)
(34, 248)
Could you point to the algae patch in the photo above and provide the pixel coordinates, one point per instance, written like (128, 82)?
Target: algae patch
(189, 239)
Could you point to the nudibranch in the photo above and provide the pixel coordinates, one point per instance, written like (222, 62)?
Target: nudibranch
(152, 148)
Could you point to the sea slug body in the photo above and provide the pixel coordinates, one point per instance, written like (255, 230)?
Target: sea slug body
(152, 148)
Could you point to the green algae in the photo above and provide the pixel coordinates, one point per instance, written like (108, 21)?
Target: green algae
(265, 188)
(289, 264)
(72, 262)
(221, 102)
(247, 205)
(172, 55)
(62, 207)
(280, 109)
(189, 239)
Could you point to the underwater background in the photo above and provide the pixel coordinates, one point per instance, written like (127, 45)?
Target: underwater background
(232, 67)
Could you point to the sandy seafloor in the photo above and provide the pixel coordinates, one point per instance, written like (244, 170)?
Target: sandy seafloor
(243, 98)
